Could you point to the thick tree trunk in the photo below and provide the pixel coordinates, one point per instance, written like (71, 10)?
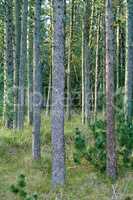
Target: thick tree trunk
(9, 67)
(22, 67)
(30, 64)
(111, 151)
(37, 95)
(58, 163)
(129, 67)
(17, 56)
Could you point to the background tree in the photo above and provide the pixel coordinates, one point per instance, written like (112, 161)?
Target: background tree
(37, 97)
(17, 56)
(9, 67)
(22, 67)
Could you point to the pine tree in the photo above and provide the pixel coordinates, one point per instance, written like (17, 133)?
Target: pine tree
(111, 143)
(58, 163)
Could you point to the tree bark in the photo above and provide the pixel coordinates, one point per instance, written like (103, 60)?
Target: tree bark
(86, 94)
(30, 63)
(22, 67)
(9, 67)
(111, 143)
(37, 93)
(68, 103)
(58, 163)
(17, 56)
(96, 68)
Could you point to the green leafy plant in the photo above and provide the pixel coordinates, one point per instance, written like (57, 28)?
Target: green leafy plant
(96, 152)
(80, 146)
(125, 139)
(20, 189)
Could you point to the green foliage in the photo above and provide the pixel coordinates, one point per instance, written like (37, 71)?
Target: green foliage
(80, 146)
(20, 189)
(96, 153)
(125, 139)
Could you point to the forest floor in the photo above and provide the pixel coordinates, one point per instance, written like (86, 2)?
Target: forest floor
(83, 181)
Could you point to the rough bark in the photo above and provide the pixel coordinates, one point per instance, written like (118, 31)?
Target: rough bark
(22, 66)
(37, 95)
(58, 162)
(111, 151)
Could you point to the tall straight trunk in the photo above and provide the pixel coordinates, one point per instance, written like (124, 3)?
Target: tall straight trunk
(49, 94)
(30, 63)
(86, 94)
(22, 67)
(68, 103)
(37, 97)
(117, 52)
(83, 75)
(96, 68)
(129, 67)
(9, 67)
(17, 56)
(111, 143)
(50, 62)
(58, 163)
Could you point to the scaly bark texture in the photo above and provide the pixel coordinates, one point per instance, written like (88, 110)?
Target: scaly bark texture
(58, 162)
(111, 143)
(22, 67)
(9, 67)
(37, 97)
(17, 56)
(129, 67)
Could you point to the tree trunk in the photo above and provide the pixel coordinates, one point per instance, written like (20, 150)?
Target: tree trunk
(111, 151)
(58, 163)
(22, 67)
(129, 67)
(30, 64)
(96, 68)
(17, 56)
(9, 67)
(86, 63)
(37, 93)
(68, 103)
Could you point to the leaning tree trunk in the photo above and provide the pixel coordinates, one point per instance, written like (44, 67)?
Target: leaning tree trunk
(17, 56)
(58, 163)
(37, 97)
(9, 67)
(22, 67)
(30, 63)
(111, 151)
(129, 67)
